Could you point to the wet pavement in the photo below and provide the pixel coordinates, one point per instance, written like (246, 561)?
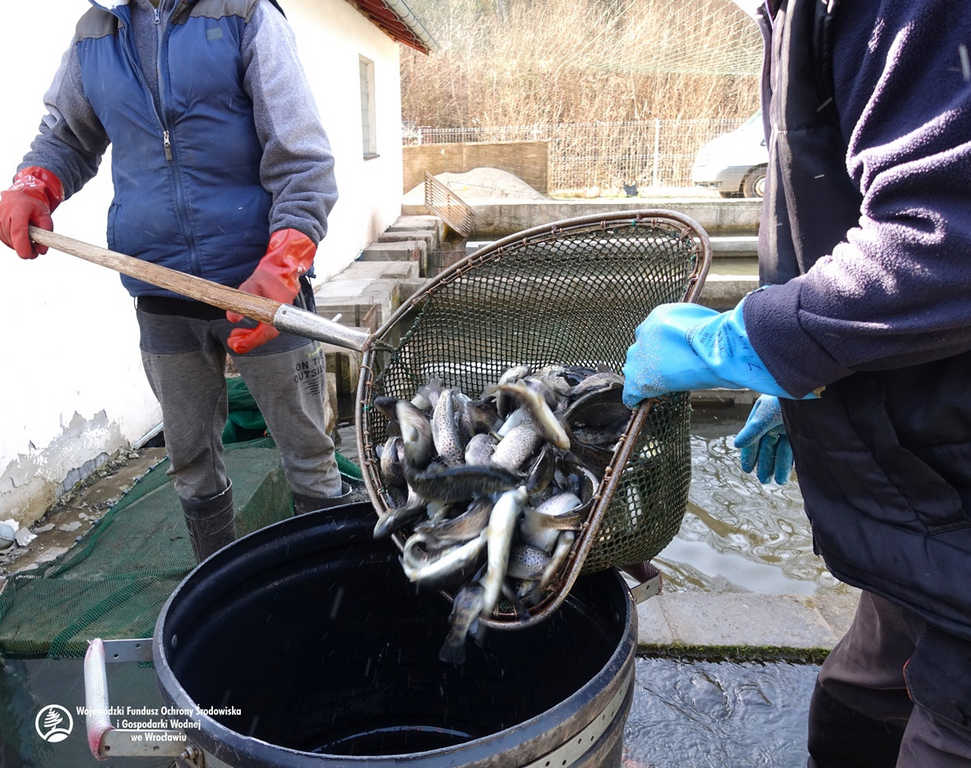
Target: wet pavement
(718, 715)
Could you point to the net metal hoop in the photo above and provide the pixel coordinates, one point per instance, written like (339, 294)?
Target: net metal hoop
(395, 363)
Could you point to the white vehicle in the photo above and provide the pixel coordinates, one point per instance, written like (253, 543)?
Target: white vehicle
(734, 163)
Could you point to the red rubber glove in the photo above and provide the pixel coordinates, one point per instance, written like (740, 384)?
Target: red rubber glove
(277, 276)
(35, 193)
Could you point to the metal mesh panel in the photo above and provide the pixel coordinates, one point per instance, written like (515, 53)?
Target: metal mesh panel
(448, 206)
(571, 293)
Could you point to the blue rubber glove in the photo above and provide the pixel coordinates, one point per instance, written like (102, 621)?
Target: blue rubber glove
(764, 442)
(681, 347)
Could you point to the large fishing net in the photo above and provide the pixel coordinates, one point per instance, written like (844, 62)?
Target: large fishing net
(113, 583)
(570, 293)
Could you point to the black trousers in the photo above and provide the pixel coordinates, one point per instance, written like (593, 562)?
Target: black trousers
(895, 691)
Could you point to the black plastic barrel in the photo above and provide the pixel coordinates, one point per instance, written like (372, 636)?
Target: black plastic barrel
(311, 631)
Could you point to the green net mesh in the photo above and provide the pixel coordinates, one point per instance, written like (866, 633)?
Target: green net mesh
(570, 295)
(114, 582)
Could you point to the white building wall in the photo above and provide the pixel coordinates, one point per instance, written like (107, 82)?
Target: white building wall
(332, 36)
(72, 389)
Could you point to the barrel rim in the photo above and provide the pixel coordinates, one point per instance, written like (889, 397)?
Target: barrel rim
(249, 752)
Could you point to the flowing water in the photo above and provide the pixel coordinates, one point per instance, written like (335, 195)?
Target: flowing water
(739, 535)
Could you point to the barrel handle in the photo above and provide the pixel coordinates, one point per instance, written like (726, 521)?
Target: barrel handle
(104, 740)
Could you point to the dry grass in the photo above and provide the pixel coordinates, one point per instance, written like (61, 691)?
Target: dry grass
(520, 62)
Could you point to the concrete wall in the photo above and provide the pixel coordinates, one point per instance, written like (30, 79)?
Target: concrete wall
(529, 160)
(717, 217)
(72, 389)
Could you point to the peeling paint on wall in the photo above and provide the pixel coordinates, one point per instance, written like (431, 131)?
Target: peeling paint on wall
(35, 479)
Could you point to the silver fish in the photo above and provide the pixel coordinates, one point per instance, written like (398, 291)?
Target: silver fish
(514, 374)
(517, 418)
(560, 554)
(473, 417)
(596, 382)
(416, 432)
(540, 387)
(392, 455)
(541, 472)
(502, 526)
(540, 413)
(541, 526)
(461, 483)
(504, 404)
(425, 570)
(465, 612)
(553, 376)
(599, 408)
(527, 563)
(426, 397)
(516, 447)
(480, 449)
(399, 517)
(588, 482)
(466, 526)
(445, 431)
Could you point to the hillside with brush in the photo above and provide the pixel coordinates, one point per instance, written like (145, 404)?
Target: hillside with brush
(530, 62)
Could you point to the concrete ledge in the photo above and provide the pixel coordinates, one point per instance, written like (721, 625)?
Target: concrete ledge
(725, 291)
(743, 625)
(419, 221)
(428, 236)
(407, 250)
(380, 270)
(735, 247)
(361, 303)
(495, 219)
(721, 398)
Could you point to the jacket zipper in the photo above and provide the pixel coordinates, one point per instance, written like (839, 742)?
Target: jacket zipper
(160, 69)
(159, 111)
(166, 136)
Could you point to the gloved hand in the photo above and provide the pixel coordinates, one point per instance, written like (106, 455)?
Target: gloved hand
(764, 442)
(35, 193)
(277, 276)
(683, 346)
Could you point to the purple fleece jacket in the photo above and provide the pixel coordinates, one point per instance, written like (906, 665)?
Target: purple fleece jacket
(897, 291)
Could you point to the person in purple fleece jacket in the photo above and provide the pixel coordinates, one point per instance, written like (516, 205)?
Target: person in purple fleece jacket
(860, 340)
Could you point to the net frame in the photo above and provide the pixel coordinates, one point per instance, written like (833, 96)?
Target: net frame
(385, 347)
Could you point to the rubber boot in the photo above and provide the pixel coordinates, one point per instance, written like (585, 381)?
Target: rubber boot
(211, 522)
(304, 504)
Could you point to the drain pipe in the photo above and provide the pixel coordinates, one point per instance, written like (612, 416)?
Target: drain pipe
(410, 20)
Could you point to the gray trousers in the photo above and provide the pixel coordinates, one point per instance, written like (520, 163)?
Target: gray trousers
(896, 691)
(184, 358)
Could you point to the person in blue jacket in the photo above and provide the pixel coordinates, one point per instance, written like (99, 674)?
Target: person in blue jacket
(222, 170)
(860, 340)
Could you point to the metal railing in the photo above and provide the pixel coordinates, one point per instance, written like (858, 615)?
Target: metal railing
(448, 206)
(608, 155)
